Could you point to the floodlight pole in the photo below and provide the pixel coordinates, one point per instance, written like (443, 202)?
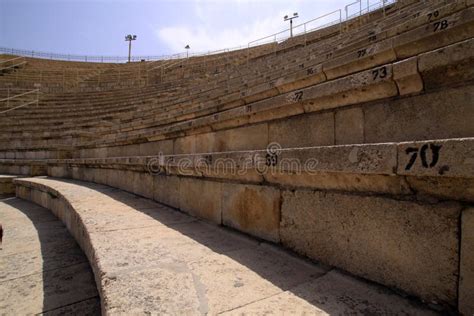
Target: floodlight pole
(130, 38)
(286, 18)
(187, 51)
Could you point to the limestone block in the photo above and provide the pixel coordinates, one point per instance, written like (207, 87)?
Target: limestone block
(206, 143)
(185, 145)
(447, 65)
(99, 175)
(88, 174)
(349, 182)
(201, 198)
(78, 173)
(460, 189)
(126, 181)
(59, 171)
(364, 58)
(303, 131)
(166, 190)
(357, 88)
(143, 184)
(401, 244)
(447, 158)
(6, 185)
(438, 115)
(114, 177)
(466, 279)
(245, 138)
(436, 34)
(129, 150)
(155, 148)
(405, 74)
(366, 158)
(100, 152)
(349, 126)
(252, 209)
(279, 111)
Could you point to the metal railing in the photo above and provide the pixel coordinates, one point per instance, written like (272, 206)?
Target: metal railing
(273, 38)
(19, 100)
(12, 63)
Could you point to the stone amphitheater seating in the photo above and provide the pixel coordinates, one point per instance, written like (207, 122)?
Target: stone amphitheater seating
(352, 145)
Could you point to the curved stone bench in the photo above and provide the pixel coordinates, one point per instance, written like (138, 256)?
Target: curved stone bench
(148, 258)
(42, 269)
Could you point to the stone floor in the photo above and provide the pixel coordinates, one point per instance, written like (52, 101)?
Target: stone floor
(42, 269)
(152, 259)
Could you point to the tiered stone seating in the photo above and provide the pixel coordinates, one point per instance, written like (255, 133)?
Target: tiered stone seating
(353, 148)
(319, 77)
(150, 259)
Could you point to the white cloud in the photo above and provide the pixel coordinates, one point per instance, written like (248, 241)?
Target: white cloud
(203, 38)
(219, 26)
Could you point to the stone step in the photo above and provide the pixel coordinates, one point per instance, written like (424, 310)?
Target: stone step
(6, 184)
(184, 265)
(42, 269)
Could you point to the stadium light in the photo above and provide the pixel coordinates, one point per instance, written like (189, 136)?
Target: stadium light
(187, 50)
(286, 18)
(129, 38)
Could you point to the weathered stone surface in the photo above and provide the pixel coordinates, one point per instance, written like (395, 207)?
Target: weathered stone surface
(360, 87)
(244, 138)
(59, 171)
(201, 198)
(451, 64)
(143, 184)
(185, 145)
(365, 158)
(254, 274)
(6, 184)
(349, 126)
(405, 74)
(52, 290)
(155, 148)
(364, 58)
(166, 190)
(444, 158)
(87, 307)
(411, 246)
(42, 269)
(252, 209)
(179, 263)
(431, 36)
(438, 115)
(341, 181)
(333, 294)
(303, 131)
(460, 189)
(466, 277)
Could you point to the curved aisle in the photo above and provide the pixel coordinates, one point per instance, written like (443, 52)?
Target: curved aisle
(148, 258)
(42, 269)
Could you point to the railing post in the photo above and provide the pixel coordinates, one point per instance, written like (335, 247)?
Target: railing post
(340, 21)
(276, 43)
(8, 97)
(305, 34)
(37, 97)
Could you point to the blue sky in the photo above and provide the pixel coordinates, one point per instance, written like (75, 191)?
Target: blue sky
(98, 27)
